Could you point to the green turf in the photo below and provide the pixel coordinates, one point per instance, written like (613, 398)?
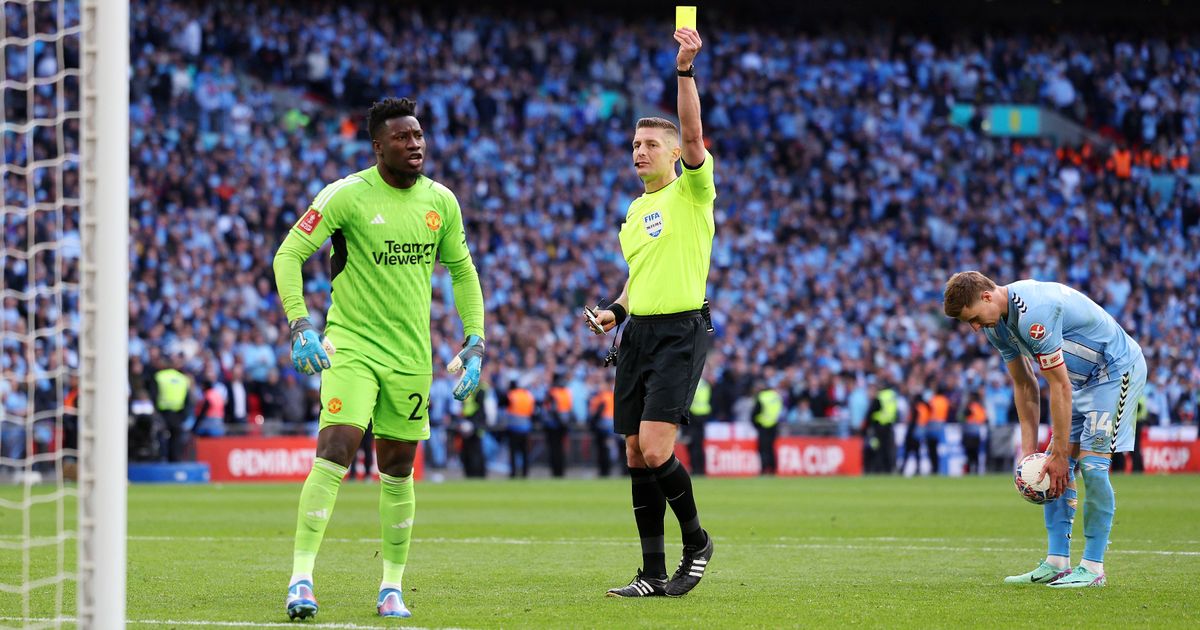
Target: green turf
(789, 552)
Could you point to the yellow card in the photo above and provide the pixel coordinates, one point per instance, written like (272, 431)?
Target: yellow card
(685, 17)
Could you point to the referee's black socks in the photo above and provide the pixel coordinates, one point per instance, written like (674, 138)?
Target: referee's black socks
(649, 507)
(676, 485)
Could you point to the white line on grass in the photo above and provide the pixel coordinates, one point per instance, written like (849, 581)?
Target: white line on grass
(963, 549)
(777, 545)
(783, 543)
(209, 624)
(856, 544)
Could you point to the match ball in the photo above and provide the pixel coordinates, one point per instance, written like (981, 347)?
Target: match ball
(1025, 478)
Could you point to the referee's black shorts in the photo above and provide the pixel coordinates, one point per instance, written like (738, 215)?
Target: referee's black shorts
(658, 367)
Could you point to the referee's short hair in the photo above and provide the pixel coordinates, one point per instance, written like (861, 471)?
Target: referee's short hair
(655, 122)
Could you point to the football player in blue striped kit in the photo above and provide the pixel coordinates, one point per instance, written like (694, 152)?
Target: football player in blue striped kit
(1096, 374)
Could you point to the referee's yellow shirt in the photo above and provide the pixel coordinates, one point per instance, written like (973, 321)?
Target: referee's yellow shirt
(667, 242)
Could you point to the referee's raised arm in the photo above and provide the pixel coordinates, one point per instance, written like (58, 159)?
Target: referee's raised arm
(690, 129)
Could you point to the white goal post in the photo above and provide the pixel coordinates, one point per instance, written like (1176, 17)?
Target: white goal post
(104, 290)
(64, 135)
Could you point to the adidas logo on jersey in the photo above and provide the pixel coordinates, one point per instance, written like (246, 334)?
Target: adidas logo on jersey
(378, 220)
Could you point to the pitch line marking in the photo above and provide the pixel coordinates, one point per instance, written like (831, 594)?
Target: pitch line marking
(855, 544)
(785, 543)
(224, 624)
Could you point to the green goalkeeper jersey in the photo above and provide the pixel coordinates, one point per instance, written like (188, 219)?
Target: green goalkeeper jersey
(385, 240)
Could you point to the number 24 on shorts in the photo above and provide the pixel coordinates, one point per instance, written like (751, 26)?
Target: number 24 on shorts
(416, 415)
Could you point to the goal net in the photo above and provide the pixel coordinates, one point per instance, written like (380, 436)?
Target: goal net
(63, 287)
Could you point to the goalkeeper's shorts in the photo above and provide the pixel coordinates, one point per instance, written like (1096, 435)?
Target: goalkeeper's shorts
(357, 390)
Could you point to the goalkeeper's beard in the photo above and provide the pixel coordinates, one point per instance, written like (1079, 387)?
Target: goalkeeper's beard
(404, 174)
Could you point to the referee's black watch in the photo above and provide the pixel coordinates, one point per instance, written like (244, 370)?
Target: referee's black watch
(690, 72)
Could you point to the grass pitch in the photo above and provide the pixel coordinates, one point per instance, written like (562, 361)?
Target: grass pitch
(874, 552)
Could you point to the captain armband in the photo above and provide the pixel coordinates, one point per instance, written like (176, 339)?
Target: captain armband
(1050, 361)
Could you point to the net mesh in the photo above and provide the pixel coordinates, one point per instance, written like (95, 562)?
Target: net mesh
(40, 120)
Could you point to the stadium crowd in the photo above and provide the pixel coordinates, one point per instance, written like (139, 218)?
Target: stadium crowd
(846, 197)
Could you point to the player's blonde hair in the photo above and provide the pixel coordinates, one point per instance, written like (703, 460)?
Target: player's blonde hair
(963, 289)
(655, 122)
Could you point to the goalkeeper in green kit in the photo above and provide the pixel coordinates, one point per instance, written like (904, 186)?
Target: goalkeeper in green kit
(388, 223)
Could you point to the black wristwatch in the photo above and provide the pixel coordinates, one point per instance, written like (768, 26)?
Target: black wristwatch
(690, 72)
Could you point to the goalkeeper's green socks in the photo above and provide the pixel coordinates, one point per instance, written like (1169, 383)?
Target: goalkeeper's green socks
(397, 505)
(316, 506)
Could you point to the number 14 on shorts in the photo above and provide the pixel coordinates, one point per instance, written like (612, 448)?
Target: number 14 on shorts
(1098, 422)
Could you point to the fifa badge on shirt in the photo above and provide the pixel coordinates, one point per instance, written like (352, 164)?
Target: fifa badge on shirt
(653, 223)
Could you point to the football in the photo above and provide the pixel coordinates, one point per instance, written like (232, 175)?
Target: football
(1025, 478)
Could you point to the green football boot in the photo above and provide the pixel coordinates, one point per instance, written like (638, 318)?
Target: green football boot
(1079, 578)
(1044, 574)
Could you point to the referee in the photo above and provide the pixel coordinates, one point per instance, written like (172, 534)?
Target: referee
(667, 242)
